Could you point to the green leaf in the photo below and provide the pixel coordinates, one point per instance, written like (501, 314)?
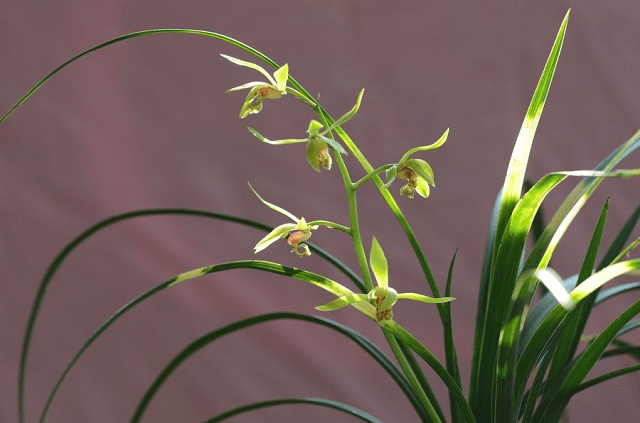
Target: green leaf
(424, 298)
(433, 146)
(423, 169)
(210, 337)
(497, 339)
(536, 348)
(410, 341)
(379, 264)
(351, 113)
(347, 409)
(574, 324)
(281, 75)
(279, 232)
(273, 206)
(583, 365)
(252, 66)
(276, 142)
(518, 164)
(341, 302)
(618, 243)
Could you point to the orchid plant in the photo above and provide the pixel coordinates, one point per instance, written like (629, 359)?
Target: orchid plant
(526, 363)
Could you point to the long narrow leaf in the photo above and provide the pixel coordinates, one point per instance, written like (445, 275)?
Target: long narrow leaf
(252, 321)
(347, 409)
(518, 163)
(576, 321)
(497, 342)
(552, 410)
(76, 242)
(535, 348)
(485, 353)
(409, 340)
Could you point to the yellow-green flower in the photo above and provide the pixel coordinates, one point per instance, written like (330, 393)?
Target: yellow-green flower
(383, 297)
(318, 143)
(296, 233)
(416, 172)
(275, 88)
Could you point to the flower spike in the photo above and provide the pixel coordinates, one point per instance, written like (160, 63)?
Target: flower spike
(258, 91)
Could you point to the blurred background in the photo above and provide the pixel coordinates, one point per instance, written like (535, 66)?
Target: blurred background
(145, 123)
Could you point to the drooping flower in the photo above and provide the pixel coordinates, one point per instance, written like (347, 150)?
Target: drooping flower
(383, 297)
(317, 150)
(416, 172)
(259, 91)
(296, 233)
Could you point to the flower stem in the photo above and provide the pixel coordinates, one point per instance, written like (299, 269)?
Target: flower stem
(413, 380)
(370, 175)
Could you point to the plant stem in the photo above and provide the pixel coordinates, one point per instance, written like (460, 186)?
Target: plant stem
(413, 380)
(370, 175)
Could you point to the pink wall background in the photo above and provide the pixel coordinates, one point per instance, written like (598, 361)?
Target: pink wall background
(146, 123)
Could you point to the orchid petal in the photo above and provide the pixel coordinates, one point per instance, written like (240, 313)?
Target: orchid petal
(252, 66)
(433, 146)
(276, 234)
(341, 302)
(273, 206)
(379, 264)
(424, 298)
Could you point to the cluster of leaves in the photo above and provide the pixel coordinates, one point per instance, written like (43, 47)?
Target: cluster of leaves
(527, 363)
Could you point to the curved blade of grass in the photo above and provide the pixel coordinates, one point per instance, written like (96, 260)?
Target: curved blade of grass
(252, 321)
(410, 341)
(61, 257)
(603, 378)
(132, 35)
(292, 272)
(629, 326)
(571, 206)
(624, 347)
(552, 410)
(348, 409)
(537, 346)
(574, 324)
(450, 345)
(548, 302)
(621, 239)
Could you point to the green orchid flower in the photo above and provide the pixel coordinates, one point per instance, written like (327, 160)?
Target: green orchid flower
(383, 297)
(296, 233)
(318, 143)
(275, 88)
(416, 172)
